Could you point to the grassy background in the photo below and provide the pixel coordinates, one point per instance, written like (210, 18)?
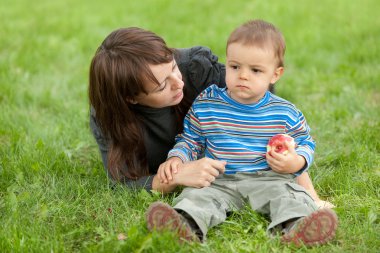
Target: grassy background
(54, 195)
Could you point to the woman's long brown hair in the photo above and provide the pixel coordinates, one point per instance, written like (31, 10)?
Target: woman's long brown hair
(118, 72)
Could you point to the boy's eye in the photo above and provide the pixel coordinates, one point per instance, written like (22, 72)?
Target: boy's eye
(256, 70)
(234, 66)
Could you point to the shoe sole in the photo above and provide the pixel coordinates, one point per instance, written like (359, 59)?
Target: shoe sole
(316, 229)
(161, 216)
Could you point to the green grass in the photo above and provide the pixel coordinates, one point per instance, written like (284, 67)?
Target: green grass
(54, 195)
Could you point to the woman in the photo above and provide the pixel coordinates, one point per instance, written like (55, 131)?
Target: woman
(140, 91)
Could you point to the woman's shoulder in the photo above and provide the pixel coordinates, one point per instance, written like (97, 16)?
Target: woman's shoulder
(200, 68)
(185, 55)
(198, 60)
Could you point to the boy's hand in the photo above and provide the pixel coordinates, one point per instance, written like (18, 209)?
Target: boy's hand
(289, 163)
(166, 169)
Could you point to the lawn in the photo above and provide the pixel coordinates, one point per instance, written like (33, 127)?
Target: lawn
(54, 194)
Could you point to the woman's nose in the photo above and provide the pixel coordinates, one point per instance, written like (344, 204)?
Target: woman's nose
(177, 82)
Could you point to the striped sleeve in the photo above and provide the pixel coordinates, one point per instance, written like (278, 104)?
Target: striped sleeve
(190, 144)
(298, 128)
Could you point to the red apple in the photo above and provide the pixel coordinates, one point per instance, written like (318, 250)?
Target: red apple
(277, 143)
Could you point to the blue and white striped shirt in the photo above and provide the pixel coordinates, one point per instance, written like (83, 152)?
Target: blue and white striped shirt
(224, 129)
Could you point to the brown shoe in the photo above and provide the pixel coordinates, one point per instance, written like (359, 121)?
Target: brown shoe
(315, 229)
(160, 216)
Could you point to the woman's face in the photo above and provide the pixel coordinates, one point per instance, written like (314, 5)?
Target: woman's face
(170, 90)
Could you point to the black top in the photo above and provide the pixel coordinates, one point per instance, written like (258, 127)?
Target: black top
(199, 68)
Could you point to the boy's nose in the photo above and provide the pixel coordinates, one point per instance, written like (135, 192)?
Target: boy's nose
(243, 74)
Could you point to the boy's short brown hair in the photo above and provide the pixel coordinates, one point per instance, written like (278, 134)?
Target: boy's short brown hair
(262, 34)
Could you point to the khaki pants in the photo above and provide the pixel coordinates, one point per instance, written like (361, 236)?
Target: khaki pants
(267, 192)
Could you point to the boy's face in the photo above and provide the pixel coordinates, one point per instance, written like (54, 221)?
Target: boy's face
(249, 72)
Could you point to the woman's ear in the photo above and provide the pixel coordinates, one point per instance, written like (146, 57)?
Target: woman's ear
(131, 101)
(277, 75)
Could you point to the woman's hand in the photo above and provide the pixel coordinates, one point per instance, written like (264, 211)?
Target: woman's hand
(199, 173)
(289, 163)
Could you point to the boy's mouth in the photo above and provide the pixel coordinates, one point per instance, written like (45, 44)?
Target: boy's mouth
(239, 86)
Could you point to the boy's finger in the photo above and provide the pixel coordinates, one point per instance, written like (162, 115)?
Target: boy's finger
(175, 168)
(168, 173)
(275, 159)
(159, 174)
(268, 157)
(275, 155)
(163, 177)
(290, 146)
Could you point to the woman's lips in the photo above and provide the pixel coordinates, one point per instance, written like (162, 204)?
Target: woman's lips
(178, 95)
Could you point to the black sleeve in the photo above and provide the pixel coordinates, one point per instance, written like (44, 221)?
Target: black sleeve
(200, 68)
(100, 139)
(103, 144)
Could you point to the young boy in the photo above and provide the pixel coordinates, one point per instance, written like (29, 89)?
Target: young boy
(234, 124)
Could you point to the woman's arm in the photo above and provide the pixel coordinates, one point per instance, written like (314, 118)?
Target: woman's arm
(194, 174)
(163, 187)
(145, 182)
(103, 143)
(305, 181)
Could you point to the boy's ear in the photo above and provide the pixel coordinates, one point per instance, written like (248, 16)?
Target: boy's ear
(277, 75)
